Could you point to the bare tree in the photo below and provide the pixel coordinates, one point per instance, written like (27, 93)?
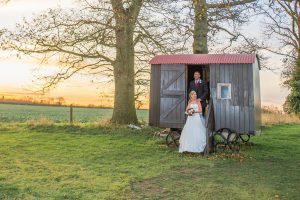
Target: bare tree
(4, 1)
(205, 20)
(1, 3)
(283, 25)
(212, 17)
(103, 37)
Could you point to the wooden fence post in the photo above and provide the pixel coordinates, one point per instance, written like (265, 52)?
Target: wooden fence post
(71, 114)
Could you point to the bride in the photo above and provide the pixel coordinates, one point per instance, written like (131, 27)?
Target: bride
(193, 136)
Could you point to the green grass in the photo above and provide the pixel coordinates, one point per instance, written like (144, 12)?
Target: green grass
(88, 161)
(23, 113)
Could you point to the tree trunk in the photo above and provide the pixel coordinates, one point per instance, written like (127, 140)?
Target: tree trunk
(200, 27)
(124, 105)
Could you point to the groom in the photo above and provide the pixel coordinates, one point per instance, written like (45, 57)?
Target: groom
(200, 87)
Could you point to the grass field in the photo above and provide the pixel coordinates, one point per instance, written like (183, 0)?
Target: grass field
(89, 161)
(23, 113)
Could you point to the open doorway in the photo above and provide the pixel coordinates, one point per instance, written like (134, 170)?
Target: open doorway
(204, 71)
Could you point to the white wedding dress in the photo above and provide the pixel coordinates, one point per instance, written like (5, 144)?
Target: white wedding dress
(193, 135)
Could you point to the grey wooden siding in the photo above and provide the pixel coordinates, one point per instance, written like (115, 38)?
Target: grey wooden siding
(154, 105)
(172, 96)
(236, 113)
(241, 113)
(257, 98)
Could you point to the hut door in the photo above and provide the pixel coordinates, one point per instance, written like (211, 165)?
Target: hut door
(172, 95)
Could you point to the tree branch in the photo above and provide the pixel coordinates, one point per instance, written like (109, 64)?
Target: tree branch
(230, 4)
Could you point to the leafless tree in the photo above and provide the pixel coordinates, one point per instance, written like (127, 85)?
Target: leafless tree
(4, 1)
(1, 3)
(282, 24)
(201, 21)
(105, 37)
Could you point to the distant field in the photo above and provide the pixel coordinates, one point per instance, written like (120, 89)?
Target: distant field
(23, 113)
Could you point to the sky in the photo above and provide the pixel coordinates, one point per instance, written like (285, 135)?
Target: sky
(16, 75)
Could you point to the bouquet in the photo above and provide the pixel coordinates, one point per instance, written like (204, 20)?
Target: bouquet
(190, 111)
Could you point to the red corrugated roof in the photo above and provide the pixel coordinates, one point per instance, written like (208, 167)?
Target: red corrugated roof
(203, 59)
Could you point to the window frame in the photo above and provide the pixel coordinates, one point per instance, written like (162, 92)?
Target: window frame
(219, 86)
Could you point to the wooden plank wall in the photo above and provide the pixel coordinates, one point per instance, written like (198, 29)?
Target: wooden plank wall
(236, 113)
(154, 105)
(257, 98)
(172, 95)
(251, 101)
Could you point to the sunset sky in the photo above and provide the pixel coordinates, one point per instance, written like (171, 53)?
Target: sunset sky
(16, 75)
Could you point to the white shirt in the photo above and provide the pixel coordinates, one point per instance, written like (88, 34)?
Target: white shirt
(197, 81)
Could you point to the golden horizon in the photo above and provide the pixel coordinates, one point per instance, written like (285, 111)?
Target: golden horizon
(106, 101)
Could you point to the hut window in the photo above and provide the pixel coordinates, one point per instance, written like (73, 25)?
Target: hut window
(224, 91)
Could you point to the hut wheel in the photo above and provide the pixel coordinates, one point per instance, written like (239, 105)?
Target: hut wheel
(172, 138)
(225, 138)
(245, 138)
(234, 142)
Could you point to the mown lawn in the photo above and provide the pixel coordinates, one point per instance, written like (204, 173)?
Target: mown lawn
(89, 161)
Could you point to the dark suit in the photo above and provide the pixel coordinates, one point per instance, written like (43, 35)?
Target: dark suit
(202, 91)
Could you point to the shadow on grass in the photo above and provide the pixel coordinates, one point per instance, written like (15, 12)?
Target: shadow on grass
(92, 129)
(8, 191)
(267, 170)
(225, 180)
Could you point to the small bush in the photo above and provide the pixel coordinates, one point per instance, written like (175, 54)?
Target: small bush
(273, 115)
(40, 122)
